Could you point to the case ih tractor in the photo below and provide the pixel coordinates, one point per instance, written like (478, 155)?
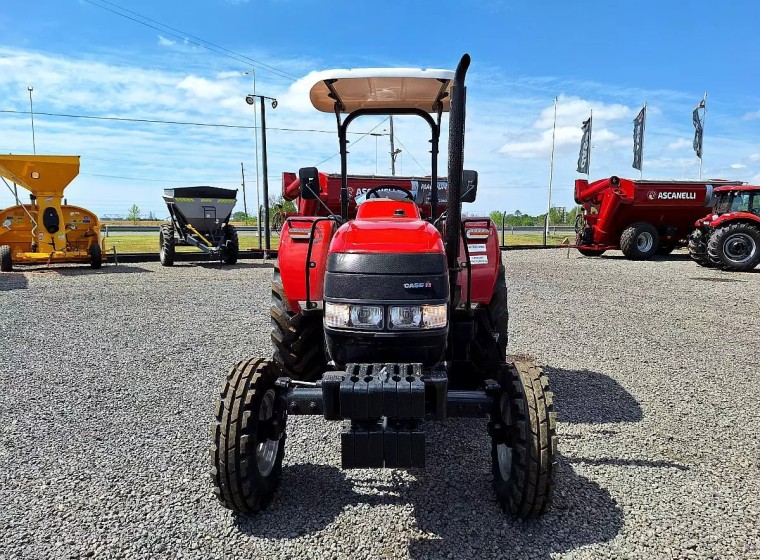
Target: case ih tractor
(729, 238)
(641, 218)
(387, 317)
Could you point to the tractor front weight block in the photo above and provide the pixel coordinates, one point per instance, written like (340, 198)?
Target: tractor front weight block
(385, 407)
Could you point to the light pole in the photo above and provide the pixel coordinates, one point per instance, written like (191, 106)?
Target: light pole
(31, 112)
(251, 100)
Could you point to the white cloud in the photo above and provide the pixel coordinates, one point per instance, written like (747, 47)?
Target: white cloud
(164, 42)
(754, 157)
(679, 144)
(203, 88)
(737, 166)
(751, 115)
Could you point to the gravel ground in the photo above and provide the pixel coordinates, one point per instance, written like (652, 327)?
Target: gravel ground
(108, 377)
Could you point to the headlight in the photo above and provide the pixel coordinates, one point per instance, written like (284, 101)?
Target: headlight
(346, 316)
(417, 316)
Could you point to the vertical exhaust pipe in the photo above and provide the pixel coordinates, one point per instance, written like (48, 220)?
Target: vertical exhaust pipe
(456, 166)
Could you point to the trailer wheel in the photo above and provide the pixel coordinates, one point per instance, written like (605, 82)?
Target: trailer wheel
(298, 339)
(639, 241)
(590, 252)
(524, 441)
(735, 247)
(166, 245)
(6, 259)
(248, 437)
(698, 248)
(232, 245)
(96, 256)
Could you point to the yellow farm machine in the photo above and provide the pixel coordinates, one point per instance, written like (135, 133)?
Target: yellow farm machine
(46, 230)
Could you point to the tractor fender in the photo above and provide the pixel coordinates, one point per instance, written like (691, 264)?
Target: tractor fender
(735, 217)
(485, 258)
(292, 259)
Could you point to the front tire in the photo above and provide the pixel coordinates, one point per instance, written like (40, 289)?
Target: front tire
(735, 247)
(166, 245)
(639, 241)
(96, 256)
(232, 245)
(590, 252)
(298, 339)
(698, 248)
(248, 437)
(6, 259)
(524, 441)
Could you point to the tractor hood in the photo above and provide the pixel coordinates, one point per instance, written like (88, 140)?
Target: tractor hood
(387, 235)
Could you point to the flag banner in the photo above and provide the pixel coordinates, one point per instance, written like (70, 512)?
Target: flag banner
(585, 153)
(698, 128)
(638, 137)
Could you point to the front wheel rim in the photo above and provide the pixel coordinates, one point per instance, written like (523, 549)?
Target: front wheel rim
(504, 460)
(739, 248)
(266, 452)
(645, 242)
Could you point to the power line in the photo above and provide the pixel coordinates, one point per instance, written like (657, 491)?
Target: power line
(181, 35)
(363, 136)
(410, 153)
(180, 123)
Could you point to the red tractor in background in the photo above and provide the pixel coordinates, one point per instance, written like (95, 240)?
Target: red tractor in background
(385, 315)
(640, 217)
(729, 237)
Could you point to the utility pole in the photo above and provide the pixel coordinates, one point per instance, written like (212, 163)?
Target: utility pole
(251, 99)
(31, 112)
(394, 151)
(245, 203)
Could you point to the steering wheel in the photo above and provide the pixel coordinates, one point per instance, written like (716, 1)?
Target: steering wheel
(374, 191)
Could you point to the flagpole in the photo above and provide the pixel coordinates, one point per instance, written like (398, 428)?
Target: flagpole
(591, 125)
(702, 140)
(643, 130)
(551, 173)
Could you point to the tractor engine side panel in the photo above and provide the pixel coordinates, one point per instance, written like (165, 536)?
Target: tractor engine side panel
(292, 260)
(485, 258)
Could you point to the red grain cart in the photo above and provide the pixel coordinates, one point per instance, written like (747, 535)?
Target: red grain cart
(641, 218)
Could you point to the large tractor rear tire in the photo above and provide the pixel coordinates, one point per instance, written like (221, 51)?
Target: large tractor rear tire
(735, 247)
(166, 245)
(248, 438)
(590, 252)
(6, 259)
(524, 441)
(698, 248)
(298, 339)
(96, 256)
(639, 241)
(232, 245)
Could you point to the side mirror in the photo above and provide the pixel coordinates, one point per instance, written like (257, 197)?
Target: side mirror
(309, 179)
(469, 185)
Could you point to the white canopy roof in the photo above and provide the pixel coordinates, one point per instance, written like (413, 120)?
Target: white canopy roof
(382, 88)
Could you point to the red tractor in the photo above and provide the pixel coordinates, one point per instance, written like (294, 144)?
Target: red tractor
(386, 317)
(729, 237)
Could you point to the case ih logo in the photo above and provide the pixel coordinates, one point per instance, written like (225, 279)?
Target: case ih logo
(417, 285)
(670, 195)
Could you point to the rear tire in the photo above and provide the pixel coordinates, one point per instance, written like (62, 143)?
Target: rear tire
(232, 245)
(524, 441)
(6, 259)
(96, 256)
(698, 248)
(488, 350)
(639, 241)
(735, 247)
(298, 339)
(166, 245)
(590, 252)
(248, 438)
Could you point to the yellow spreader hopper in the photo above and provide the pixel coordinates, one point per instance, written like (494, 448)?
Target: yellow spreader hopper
(46, 230)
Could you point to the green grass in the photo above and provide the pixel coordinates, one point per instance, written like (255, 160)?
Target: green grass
(148, 243)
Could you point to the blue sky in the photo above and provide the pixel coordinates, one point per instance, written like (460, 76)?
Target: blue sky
(607, 56)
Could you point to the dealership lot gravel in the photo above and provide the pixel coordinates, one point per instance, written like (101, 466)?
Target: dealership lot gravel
(107, 380)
